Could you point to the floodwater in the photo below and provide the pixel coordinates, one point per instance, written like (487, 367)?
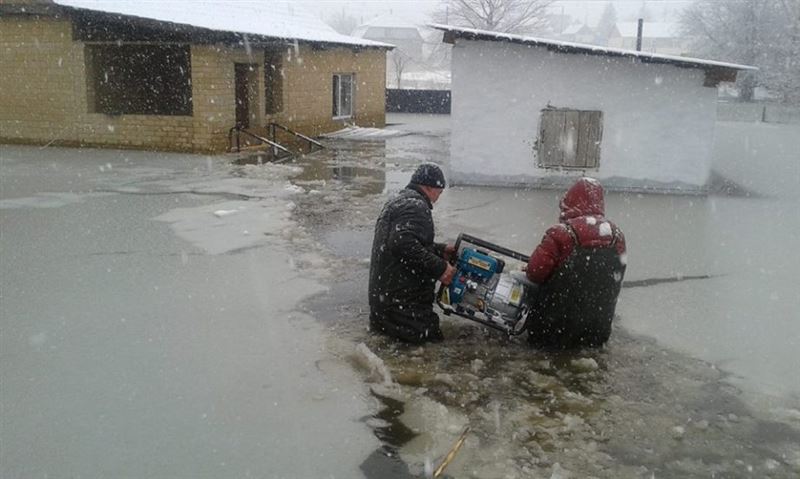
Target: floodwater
(175, 315)
(699, 379)
(149, 324)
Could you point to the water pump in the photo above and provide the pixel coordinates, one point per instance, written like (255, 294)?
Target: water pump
(484, 290)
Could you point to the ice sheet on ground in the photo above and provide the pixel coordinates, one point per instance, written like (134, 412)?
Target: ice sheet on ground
(376, 369)
(225, 368)
(48, 200)
(204, 227)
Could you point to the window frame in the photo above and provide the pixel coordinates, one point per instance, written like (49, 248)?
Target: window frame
(336, 97)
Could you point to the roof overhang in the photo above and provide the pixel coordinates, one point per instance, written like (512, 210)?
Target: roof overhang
(173, 29)
(716, 72)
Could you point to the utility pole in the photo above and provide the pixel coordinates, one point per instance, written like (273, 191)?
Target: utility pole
(639, 35)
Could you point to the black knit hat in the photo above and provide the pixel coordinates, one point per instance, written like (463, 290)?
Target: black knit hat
(428, 174)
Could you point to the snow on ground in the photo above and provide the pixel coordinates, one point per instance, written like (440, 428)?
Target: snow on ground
(363, 133)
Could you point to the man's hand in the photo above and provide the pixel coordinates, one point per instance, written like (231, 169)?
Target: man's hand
(448, 274)
(449, 251)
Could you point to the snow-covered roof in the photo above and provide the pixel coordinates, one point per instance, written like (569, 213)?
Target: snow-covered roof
(389, 21)
(573, 29)
(268, 18)
(581, 48)
(649, 29)
(384, 21)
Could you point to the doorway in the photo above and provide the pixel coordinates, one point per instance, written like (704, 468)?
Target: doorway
(246, 90)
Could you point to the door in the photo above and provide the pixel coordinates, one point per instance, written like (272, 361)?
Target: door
(243, 89)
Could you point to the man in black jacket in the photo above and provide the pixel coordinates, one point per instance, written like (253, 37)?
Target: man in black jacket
(406, 263)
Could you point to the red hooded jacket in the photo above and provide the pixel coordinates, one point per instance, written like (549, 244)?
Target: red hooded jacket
(583, 209)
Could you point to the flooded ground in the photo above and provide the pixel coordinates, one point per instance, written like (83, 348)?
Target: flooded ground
(689, 386)
(151, 325)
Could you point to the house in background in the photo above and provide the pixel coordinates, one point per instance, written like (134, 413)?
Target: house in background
(528, 111)
(579, 33)
(657, 37)
(405, 36)
(169, 76)
(419, 59)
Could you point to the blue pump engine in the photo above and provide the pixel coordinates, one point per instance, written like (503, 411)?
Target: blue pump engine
(474, 268)
(482, 291)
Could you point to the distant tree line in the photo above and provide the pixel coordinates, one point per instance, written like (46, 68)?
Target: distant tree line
(507, 16)
(763, 33)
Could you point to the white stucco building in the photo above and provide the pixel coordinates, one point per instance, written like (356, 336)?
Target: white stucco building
(528, 111)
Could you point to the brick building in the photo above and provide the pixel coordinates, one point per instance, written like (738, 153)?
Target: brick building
(176, 75)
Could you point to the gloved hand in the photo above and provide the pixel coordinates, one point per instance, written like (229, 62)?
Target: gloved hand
(449, 251)
(448, 274)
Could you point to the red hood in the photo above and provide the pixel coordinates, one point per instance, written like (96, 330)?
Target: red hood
(584, 198)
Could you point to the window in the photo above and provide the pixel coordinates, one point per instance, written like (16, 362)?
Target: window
(273, 82)
(342, 95)
(139, 79)
(570, 138)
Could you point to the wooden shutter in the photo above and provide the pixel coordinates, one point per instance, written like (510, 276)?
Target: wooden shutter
(549, 146)
(570, 138)
(590, 136)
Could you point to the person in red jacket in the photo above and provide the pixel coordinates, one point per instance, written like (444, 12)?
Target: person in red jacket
(579, 266)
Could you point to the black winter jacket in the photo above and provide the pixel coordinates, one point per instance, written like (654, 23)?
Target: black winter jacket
(405, 261)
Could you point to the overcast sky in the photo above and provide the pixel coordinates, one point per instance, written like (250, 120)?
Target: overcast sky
(419, 10)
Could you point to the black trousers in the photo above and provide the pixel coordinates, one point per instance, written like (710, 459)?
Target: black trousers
(411, 324)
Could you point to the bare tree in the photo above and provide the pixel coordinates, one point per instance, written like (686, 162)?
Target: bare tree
(763, 33)
(439, 53)
(607, 23)
(507, 16)
(399, 61)
(790, 80)
(343, 22)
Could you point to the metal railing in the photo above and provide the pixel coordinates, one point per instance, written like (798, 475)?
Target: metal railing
(312, 143)
(278, 151)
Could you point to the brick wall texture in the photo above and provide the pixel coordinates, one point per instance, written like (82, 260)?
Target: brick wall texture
(43, 92)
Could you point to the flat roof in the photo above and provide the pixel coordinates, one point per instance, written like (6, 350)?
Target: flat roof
(586, 49)
(267, 18)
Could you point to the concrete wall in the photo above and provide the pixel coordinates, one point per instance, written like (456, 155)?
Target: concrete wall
(43, 92)
(755, 112)
(658, 119)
